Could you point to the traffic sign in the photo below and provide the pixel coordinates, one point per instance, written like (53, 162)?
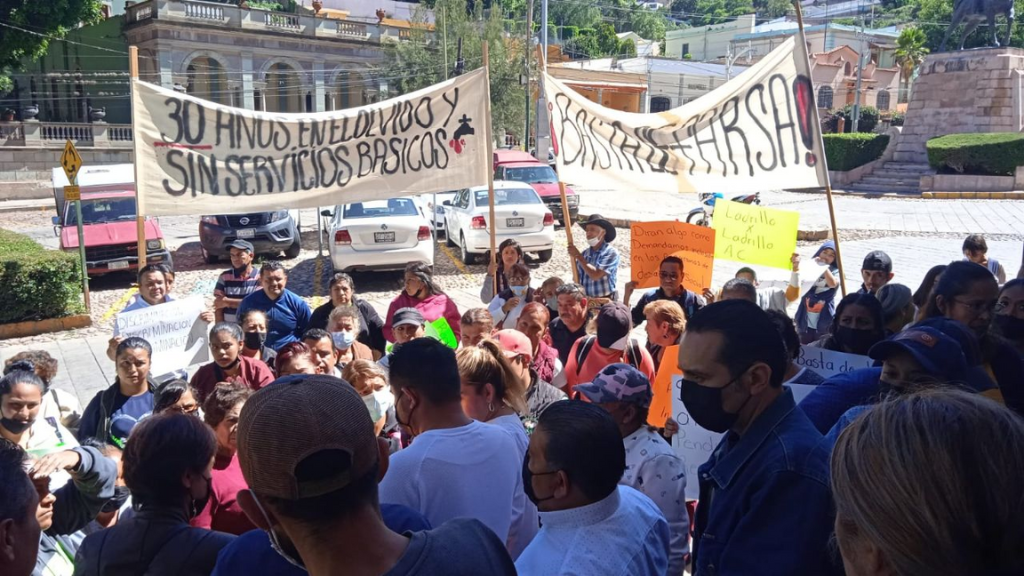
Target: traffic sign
(72, 193)
(70, 161)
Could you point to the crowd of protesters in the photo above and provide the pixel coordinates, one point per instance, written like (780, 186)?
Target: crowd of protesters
(518, 436)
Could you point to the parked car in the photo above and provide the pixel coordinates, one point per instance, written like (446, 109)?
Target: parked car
(108, 220)
(521, 167)
(269, 233)
(378, 235)
(518, 211)
(427, 206)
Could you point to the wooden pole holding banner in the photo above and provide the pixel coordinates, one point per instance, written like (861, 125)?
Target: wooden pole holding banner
(542, 63)
(491, 224)
(822, 160)
(140, 220)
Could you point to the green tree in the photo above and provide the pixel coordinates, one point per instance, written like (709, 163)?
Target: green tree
(684, 9)
(607, 41)
(649, 24)
(627, 49)
(910, 53)
(43, 19)
(419, 61)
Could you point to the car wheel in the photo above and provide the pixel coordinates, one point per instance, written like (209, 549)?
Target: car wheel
(545, 255)
(467, 257)
(209, 258)
(294, 250)
(447, 236)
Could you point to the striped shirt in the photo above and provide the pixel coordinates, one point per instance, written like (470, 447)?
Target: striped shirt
(231, 286)
(605, 258)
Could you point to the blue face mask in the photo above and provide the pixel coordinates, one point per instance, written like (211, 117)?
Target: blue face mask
(343, 340)
(553, 302)
(519, 291)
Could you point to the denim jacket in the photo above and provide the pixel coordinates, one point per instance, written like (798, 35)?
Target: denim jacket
(765, 504)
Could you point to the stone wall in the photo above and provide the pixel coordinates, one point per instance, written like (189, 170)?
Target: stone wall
(25, 173)
(963, 92)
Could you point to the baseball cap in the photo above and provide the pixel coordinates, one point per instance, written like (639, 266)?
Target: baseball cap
(298, 417)
(978, 379)
(405, 316)
(242, 245)
(618, 383)
(513, 343)
(613, 323)
(877, 260)
(937, 353)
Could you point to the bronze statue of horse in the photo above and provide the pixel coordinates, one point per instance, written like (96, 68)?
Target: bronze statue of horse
(972, 12)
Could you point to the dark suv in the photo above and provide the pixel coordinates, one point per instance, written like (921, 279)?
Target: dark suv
(269, 232)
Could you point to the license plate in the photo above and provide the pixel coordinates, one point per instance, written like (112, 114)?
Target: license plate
(246, 233)
(117, 265)
(383, 237)
(515, 222)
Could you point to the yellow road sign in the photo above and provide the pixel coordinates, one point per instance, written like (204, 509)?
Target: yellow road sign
(72, 193)
(70, 161)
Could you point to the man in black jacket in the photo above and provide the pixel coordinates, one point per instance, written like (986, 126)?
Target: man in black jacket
(19, 530)
(67, 510)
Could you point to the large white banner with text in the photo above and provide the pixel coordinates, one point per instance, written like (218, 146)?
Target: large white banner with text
(198, 157)
(757, 132)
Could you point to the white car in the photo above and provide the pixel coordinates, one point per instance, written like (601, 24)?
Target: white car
(519, 212)
(379, 235)
(427, 205)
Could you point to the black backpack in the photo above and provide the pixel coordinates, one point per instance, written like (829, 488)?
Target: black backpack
(633, 354)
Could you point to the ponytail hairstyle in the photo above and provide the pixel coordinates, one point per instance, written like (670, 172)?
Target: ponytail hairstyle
(486, 364)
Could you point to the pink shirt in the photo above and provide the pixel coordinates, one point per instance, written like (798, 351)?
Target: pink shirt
(432, 308)
(222, 512)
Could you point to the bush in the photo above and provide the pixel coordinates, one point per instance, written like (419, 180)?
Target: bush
(897, 119)
(847, 151)
(867, 123)
(35, 283)
(996, 154)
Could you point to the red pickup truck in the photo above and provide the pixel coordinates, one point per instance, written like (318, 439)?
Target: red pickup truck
(519, 166)
(108, 220)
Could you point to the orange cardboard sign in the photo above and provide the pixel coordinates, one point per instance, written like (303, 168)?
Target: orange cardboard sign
(651, 242)
(661, 405)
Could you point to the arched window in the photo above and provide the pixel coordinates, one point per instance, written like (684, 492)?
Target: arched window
(848, 69)
(660, 104)
(825, 97)
(882, 101)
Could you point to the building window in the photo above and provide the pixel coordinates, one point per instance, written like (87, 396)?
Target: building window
(686, 50)
(882, 101)
(825, 97)
(660, 104)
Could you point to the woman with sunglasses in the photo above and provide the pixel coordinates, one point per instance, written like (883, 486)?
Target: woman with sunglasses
(423, 294)
(968, 293)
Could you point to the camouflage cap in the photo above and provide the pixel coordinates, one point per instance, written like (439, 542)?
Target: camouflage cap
(618, 383)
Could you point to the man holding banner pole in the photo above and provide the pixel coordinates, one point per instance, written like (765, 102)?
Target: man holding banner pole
(598, 266)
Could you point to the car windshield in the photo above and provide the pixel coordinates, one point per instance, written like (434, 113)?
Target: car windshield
(100, 210)
(378, 208)
(509, 196)
(532, 174)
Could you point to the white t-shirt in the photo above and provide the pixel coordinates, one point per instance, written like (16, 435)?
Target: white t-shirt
(525, 521)
(465, 472)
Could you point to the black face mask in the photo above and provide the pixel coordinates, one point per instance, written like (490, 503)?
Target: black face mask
(705, 405)
(528, 482)
(1011, 328)
(255, 340)
(15, 426)
(199, 504)
(856, 340)
(240, 271)
(121, 495)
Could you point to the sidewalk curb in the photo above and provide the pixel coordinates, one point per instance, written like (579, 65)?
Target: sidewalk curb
(5, 208)
(974, 195)
(801, 235)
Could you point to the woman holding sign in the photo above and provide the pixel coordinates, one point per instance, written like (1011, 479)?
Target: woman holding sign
(423, 294)
(858, 326)
(817, 306)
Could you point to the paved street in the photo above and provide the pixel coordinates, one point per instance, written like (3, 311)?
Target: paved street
(916, 233)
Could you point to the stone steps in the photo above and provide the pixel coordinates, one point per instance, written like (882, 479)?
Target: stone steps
(892, 178)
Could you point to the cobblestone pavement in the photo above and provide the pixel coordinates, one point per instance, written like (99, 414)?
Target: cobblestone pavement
(865, 225)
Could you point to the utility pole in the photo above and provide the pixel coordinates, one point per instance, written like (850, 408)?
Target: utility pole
(860, 73)
(460, 64)
(444, 41)
(541, 138)
(528, 49)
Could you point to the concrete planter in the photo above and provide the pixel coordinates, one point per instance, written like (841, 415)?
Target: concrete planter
(34, 328)
(971, 183)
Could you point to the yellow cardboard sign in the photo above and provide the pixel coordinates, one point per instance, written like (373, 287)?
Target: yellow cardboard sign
(755, 235)
(72, 193)
(651, 242)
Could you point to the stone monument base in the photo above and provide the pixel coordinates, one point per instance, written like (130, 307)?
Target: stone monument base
(976, 90)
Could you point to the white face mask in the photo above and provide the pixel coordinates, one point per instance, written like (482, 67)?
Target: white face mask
(518, 291)
(274, 542)
(343, 340)
(593, 242)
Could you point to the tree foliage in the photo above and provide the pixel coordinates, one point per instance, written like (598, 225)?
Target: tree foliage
(45, 19)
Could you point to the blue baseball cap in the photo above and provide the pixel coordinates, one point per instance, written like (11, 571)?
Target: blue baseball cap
(618, 383)
(978, 379)
(937, 353)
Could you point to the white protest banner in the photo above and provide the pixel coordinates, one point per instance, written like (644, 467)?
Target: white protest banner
(197, 157)
(695, 444)
(756, 132)
(828, 363)
(173, 329)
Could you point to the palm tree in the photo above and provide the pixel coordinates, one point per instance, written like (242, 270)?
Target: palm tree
(910, 52)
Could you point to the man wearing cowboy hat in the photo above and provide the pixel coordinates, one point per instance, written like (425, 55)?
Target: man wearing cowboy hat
(598, 265)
